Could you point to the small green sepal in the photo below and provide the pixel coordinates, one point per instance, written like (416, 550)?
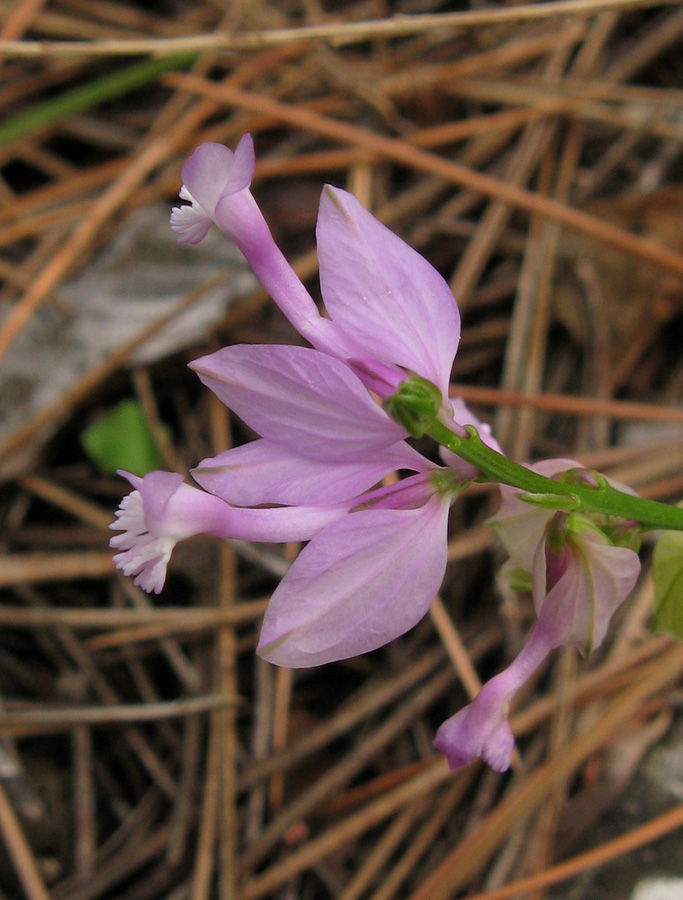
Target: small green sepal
(447, 482)
(551, 501)
(414, 405)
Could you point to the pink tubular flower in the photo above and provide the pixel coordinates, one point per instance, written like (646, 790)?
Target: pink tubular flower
(215, 174)
(163, 510)
(579, 579)
(351, 590)
(216, 183)
(390, 311)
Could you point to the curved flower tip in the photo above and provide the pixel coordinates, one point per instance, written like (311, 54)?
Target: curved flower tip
(161, 511)
(479, 730)
(482, 728)
(143, 551)
(212, 173)
(190, 223)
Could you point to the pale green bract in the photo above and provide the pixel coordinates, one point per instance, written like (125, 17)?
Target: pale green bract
(667, 565)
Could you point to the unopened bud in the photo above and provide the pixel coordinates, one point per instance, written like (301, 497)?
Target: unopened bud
(414, 405)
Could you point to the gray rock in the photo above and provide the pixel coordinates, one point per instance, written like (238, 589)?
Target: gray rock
(136, 281)
(658, 889)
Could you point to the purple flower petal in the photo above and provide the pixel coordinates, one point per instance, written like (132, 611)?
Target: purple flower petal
(358, 585)
(382, 294)
(214, 171)
(300, 399)
(264, 472)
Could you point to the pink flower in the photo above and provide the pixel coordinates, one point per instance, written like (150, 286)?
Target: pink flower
(215, 174)
(390, 311)
(376, 556)
(163, 510)
(579, 579)
(216, 182)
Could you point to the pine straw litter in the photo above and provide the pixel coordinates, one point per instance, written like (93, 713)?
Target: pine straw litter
(531, 153)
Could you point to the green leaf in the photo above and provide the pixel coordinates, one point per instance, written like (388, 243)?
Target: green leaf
(88, 95)
(122, 439)
(668, 578)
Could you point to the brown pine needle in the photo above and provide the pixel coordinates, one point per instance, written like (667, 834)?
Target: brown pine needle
(632, 840)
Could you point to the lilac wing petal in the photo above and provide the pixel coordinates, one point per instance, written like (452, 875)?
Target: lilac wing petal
(614, 572)
(303, 400)
(207, 172)
(358, 585)
(264, 472)
(242, 168)
(382, 294)
(598, 578)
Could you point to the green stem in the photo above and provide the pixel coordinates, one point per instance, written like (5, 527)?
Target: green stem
(603, 499)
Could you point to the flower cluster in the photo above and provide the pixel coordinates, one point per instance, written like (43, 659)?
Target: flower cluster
(376, 555)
